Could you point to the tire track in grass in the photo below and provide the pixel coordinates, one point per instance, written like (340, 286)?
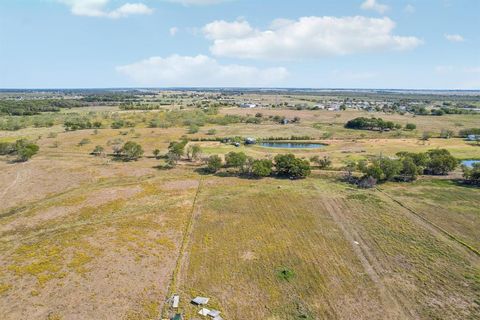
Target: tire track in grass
(173, 285)
(368, 261)
(14, 182)
(436, 229)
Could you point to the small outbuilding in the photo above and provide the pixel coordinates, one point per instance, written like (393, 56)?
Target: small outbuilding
(200, 301)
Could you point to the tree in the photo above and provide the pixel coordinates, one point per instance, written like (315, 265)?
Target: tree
(409, 170)
(472, 175)
(322, 163)
(131, 151)
(175, 152)
(410, 126)
(83, 142)
(193, 152)
(294, 168)
(440, 162)
(25, 150)
(6, 148)
(193, 129)
(177, 148)
(446, 134)
(98, 151)
(262, 168)
(156, 153)
(425, 136)
(214, 163)
(235, 160)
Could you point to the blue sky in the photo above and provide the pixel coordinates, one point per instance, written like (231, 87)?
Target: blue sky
(418, 44)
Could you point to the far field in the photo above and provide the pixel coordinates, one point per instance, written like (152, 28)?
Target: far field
(86, 237)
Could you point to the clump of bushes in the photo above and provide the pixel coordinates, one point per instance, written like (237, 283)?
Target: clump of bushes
(23, 149)
(376, 124)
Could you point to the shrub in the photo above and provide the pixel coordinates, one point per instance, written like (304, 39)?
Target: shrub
(25, 150)
(214, 163)
(131, 151)
(98, 151)
(322, 163)
(410, 126)
(83, 142)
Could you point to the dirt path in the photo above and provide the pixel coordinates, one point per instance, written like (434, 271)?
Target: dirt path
(369, 262)
(182, 255)
(14, 182)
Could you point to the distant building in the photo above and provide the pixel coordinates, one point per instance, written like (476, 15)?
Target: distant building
(248, 105)
(472, 137)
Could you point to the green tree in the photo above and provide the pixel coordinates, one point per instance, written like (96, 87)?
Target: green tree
(194, 152)
(131, 151)
(410, 126)
(288, 165)
(409, 171)
(25, 150)
(472, 175)
(322, 163)
(214, 163)
(156, 153)
(235, 160)
(98, 151)
(262, 168)
(440, 162)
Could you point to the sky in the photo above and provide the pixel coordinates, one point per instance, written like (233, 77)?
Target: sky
(396, 44)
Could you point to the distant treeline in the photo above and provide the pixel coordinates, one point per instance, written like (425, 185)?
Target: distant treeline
(377, 124)
(33, 107)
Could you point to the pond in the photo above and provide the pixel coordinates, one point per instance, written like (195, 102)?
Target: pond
(291, 145)
(469, 163)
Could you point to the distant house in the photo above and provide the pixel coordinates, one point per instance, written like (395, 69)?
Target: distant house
(285, 121)
(472, 137)
(250, 141)
(248, 105)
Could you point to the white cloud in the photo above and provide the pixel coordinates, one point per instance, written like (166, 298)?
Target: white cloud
(410, 8)
(454, 38)
(199, 71)
(221, 29)
(374, 5)
(173, 31)
(198, 2)
(97, 8)
(308, 37)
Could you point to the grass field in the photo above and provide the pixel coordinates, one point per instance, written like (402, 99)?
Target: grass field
(86, 237)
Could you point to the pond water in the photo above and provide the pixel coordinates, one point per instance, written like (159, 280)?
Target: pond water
(291, 145)
(469, 163)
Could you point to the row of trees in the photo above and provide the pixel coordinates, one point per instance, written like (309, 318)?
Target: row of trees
(284, 165)
(23, 149)
(406, 167)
